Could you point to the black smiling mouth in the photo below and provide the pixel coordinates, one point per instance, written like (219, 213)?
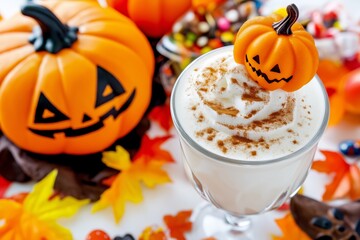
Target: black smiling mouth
(70, 132)
(260, 73)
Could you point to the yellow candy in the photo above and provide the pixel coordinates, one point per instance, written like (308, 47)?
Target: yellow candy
(205, 50)
(227, 37)
(179, 37)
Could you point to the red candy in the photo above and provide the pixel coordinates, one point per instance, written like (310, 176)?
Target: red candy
(98, 235)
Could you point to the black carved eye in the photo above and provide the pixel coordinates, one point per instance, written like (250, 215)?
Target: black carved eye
(321, 222)
(257, 59)
(46, 112)
(352, 237)
(276, 69)
(108, 87)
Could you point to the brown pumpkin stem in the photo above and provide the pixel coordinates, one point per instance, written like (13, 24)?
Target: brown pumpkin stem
(283, 27)
(51, 34)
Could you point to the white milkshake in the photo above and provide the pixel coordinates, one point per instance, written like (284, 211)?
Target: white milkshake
(246, 149)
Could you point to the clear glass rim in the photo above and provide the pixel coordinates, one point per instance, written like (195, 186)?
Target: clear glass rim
(314, 140)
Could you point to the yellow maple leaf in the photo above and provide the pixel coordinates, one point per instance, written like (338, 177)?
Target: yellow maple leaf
(126, 185)
(289, 229)
(36, 217)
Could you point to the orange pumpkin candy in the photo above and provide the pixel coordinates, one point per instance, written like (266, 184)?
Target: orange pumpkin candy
(277, 53)
(154, 17)
(72, 88)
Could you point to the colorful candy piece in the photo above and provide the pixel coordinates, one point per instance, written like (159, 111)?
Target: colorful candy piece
(202, 41)
(223, 24)
(98, 235)
(232, 15)
(203, 27)
(227, 37)
(350, 148)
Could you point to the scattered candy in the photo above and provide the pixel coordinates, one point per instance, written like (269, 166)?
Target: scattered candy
(202, 30)
(232, 15)
(350, 148)
(98, 235)
(223, 24)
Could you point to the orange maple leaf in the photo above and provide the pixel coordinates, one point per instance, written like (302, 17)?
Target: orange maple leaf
(151, 150)
(125, 186)
(289, 229)
(161, 115)
(153, 234)
(346, 181)
(178, 225)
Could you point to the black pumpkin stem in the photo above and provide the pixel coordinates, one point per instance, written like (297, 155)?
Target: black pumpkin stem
(283, 27)
(51, 35)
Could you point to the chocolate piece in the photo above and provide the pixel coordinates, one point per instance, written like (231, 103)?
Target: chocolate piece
(126, 237)
(321, 221)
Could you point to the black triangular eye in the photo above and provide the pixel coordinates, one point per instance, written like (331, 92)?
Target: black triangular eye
(108, 87)
(257, 59)
(276, 69)
(46, 112)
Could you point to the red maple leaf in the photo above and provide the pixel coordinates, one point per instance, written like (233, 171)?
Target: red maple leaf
(4, 185)
(346, 181)
(178, 225)
(161, 115)
(150, 149)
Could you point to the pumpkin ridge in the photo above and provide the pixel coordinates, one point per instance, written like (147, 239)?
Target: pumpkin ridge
(313, 53)
(117, 43)
(145, 53)
(15, 63)
(13, 48)
(269, 36)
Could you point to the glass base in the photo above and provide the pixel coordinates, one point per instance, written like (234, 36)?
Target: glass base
(209, 221)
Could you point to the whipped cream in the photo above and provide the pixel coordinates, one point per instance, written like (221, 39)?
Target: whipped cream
(231, 115)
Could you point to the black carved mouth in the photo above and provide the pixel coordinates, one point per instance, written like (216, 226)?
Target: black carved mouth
(70, 132)
(260, 73)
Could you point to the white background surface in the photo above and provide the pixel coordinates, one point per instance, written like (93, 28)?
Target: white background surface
(179, 195)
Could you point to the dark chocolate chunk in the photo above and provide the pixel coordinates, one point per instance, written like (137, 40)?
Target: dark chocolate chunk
(318, 219)
(321, 222)
(126, 237)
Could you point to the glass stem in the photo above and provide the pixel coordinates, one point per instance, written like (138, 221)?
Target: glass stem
(238, 223)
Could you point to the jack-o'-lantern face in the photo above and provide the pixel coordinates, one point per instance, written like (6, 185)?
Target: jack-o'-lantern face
(107, 89)
(267, 72)
(277, 52)
(72, 85)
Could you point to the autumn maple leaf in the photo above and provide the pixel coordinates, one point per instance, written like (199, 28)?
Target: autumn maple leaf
(289, 229)
(346, 181)
(151, 233)
(150, 149)
(126, 185)
(35, 217)
(4, 185)
(161, 114)
(178, 225)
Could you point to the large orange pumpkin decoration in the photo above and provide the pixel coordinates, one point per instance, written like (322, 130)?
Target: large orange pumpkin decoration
(154, 17)
(74, 77)
(277, 53)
